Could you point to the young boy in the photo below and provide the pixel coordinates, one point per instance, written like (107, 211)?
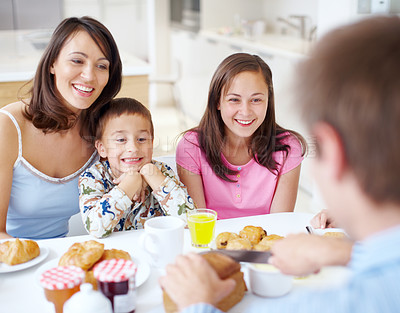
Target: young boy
(350, 93)
(126, 187)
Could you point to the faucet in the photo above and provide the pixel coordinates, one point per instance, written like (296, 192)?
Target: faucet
(301, 27)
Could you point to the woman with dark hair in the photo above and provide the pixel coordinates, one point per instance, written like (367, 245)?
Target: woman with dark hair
(239, 161)
(45, 138)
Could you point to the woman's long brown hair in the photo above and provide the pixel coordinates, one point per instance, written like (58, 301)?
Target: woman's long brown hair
(266, 140)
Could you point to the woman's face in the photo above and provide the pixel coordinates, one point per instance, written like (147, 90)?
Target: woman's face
(244, 105)
(80, 71)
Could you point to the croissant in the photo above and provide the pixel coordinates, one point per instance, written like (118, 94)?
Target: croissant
(17, 251)
(83, 255)
(115, 254)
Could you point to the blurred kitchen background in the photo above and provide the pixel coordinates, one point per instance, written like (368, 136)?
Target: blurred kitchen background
(170, 49)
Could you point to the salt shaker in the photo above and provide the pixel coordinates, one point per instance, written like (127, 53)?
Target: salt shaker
(88, 301)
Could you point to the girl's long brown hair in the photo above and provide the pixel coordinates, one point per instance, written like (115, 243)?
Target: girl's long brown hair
(266, 140)
(46, 109)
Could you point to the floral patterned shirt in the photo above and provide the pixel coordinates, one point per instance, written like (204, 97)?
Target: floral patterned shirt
(105, 208)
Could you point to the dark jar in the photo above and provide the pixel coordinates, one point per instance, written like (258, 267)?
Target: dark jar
(116, 280)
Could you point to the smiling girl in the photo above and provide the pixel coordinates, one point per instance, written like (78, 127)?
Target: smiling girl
(239, 161)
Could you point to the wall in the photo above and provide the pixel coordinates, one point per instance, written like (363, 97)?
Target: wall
(127, 20)
(218, 13)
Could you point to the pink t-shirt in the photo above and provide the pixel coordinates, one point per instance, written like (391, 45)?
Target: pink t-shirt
(253, 192)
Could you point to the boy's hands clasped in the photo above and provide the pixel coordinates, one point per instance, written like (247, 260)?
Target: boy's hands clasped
(134, 182)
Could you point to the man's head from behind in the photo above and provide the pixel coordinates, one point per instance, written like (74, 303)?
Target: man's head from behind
(350, 94)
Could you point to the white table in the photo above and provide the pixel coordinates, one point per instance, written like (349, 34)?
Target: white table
(20, 292)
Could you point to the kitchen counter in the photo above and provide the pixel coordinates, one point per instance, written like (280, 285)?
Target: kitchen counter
(273, 44)
(20, 53)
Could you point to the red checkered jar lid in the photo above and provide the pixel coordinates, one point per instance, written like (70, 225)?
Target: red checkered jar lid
(62, 277)
(114, 270)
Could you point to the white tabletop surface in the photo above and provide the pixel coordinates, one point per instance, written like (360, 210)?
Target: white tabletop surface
(19, 57)
(20, 292)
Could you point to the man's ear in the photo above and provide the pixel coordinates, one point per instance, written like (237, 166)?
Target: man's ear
(331, 149)
(100, 148)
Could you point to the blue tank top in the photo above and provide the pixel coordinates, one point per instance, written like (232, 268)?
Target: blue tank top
(40, 206)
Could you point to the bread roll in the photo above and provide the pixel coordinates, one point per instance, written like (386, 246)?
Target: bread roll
(17, 251)
(225, 268)
(83, 255)
(223, 239)
(253, 233)
(266, 243)
(239, 244)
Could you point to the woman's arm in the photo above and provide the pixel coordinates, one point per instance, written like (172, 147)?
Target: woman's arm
(9, 144)
(286, 191)
(194, 185)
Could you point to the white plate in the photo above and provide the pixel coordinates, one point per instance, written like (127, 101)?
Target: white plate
(44, 252)
(143, 271)
(142, 274)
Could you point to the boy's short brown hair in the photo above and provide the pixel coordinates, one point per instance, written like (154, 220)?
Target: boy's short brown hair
(117, 107)
(352, 82)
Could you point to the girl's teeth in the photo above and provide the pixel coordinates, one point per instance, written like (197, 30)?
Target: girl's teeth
(83, 88)
(132, 160)
(244, 122)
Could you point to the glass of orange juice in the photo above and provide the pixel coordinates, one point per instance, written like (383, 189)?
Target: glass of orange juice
(201, 224)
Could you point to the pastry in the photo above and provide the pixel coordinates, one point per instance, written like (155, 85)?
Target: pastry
(17, 251)
(225, 268)
(109, 254)
(239, 244)
(83, 255)
(266, 243)
(253, 233)
(222, 239)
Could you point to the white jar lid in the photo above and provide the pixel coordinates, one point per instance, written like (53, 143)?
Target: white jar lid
(88, 301)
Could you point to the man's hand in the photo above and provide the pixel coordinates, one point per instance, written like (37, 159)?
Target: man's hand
(304, 254)
(192, 280)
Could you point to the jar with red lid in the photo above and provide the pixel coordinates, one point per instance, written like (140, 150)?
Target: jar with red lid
(60, 283)
(116, 280)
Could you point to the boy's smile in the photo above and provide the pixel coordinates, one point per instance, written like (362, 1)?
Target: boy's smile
(126, 143)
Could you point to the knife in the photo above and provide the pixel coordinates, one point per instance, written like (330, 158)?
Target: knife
(250, 256)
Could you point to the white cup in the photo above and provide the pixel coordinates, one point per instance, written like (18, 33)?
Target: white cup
(163, 239)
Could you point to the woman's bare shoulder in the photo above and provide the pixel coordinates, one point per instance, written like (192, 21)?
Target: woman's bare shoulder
(16, 110)
(8, 131)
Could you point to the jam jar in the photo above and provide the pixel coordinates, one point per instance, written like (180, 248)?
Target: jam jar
(116, 280)
(60, 283)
